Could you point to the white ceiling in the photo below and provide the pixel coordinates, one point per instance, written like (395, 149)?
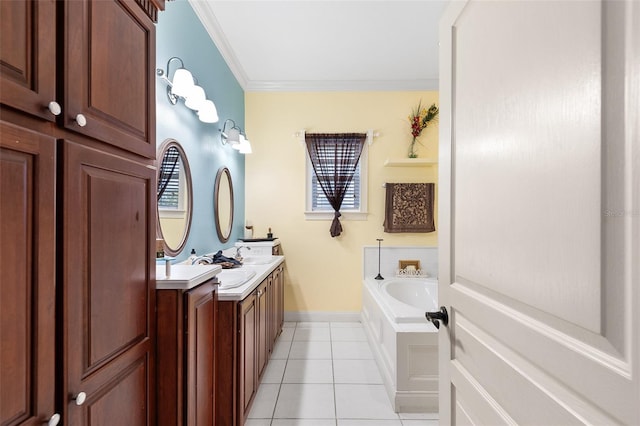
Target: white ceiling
(324, 45)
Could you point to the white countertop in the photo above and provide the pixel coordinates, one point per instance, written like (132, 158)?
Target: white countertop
(239, 293)
(184, 277)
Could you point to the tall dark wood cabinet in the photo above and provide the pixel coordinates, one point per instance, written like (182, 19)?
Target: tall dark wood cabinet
(77, 95)
(107, 306)
(27, 271)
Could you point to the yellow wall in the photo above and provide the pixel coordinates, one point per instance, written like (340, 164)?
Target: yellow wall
(324, 273)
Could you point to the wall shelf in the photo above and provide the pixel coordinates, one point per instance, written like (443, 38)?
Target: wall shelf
(410, 162)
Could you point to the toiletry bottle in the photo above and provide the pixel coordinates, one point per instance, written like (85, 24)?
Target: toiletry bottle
(193, 256)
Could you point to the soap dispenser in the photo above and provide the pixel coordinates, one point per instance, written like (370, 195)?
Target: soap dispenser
(193, 256)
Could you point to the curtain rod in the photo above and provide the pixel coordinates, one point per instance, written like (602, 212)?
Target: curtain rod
(370, 135)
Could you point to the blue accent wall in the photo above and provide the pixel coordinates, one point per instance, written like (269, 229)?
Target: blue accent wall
(180, 33)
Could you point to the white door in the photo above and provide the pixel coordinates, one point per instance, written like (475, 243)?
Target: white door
(539, 218)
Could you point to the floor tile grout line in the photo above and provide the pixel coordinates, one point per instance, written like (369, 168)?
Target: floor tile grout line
(333, 379)
(333, 382)
(273, 412)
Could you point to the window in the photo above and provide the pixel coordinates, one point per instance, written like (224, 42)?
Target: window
(174, 193)
(354, 205)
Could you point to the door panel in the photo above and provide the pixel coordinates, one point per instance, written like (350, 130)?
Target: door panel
(27, 55)
(114, 91)
(27, 271)
(262, 328)
(108, 276)
(201, 310)
(128, 390)
(247, 363)
(539, 232)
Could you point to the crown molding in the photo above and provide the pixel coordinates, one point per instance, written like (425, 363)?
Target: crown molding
(211, 25)
(342, 86)
(213, 28)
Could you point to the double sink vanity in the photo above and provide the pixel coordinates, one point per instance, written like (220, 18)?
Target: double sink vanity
(216, 329)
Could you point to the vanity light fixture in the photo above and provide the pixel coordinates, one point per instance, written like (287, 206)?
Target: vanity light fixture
(234, 136)
(184, 86)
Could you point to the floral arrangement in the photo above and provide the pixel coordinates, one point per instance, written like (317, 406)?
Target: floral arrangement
(419, 119)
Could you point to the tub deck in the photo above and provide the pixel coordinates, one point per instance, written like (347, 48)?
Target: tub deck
(405, 346)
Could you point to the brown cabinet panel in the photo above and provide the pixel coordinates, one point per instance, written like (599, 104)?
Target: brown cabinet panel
(170, 356)
(279, 285)
(27, 273)
(27, 55)
(115, 92)
(227, 338)
(123, 401)
(262, 350)
(247, 377)
(186, 355)
(109, 227)
(201, 312)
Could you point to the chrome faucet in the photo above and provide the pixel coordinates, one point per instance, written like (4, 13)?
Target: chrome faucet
(238, 256)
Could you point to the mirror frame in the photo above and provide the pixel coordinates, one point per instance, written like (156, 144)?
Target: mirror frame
(223, 235)
(164, 147)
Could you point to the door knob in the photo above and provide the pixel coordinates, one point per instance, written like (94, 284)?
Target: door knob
(81, 120)
(80, 398)
(54, 108)
(53, 420)
(436, 317)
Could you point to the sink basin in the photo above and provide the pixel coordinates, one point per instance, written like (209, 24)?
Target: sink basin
(230, 278)
(258, 260)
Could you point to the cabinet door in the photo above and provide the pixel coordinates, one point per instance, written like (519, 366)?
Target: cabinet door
(247, 379)
(228, 340)
(27, 274)
(27, 55)
(271, 313)
(262, 350)
(278, 285)
(201, 310)
(112, 87)
(108, 276)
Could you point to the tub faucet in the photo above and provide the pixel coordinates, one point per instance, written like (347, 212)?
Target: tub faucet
(238, 255)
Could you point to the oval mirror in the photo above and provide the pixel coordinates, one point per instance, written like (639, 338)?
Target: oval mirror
(223, 204)
(175, 197)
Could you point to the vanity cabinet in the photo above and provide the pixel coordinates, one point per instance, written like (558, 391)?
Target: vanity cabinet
(77, 110)
(247, 329)
(186, 355)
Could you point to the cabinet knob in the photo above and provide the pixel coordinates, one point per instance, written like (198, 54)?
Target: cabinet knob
(80, 398)
(54, 420)
(81, 120)
(54, 108)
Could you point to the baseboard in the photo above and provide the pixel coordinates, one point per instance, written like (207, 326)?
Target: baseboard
(416, 402)
(294, 316)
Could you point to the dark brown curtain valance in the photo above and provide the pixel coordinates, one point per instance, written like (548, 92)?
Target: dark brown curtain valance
(335, 157)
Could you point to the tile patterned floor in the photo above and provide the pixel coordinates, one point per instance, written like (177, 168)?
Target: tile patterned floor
(324, 374)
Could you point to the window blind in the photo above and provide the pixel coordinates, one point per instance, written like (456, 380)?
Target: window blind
(171, 197)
